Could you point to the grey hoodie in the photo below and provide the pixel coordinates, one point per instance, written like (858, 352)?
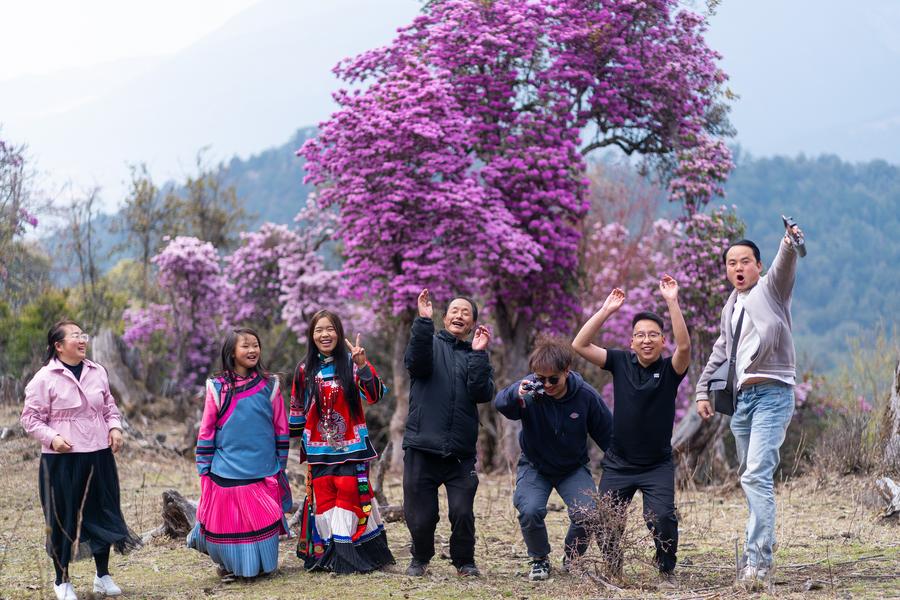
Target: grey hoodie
(768, 305)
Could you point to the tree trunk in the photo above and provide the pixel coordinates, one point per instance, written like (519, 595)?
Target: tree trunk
(500, 442)
(179, 514)
(891, 458)
(108, 349)
(400, 391)
(699, 449)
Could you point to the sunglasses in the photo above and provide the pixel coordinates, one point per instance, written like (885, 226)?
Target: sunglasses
(552, 380)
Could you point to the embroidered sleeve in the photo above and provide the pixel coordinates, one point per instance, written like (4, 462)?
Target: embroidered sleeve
(297, 417)
(371, 388)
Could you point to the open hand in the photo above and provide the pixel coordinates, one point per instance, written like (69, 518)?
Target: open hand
(357, 352)
(614, 301)
(426, 310)
(481, 339)
(668, 287)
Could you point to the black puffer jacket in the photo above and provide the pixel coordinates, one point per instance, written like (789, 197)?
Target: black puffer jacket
(447, 380)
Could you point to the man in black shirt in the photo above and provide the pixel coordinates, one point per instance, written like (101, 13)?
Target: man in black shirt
(644, 390)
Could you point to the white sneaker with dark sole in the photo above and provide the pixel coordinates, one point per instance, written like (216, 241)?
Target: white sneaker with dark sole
(540, 570)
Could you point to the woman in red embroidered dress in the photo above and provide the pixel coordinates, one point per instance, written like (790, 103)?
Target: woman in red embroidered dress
(342, 529)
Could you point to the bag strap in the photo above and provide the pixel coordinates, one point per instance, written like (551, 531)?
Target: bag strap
(732, 361)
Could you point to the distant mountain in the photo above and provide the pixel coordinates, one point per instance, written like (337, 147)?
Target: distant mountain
(271, 183)
(850, 278)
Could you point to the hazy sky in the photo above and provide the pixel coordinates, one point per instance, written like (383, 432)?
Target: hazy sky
(94, 85)
(49, 35)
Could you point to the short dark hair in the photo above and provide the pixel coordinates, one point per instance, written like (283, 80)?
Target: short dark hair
(648, 316)
(551, 354)
(747, 243)
(470, 301)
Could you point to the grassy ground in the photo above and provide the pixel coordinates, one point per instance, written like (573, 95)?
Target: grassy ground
(829, 541)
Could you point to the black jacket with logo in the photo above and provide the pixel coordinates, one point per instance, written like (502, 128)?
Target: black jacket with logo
(554, 432)
(447, 379)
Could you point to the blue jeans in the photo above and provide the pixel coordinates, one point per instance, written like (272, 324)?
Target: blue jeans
(759, 425)
(530, 498)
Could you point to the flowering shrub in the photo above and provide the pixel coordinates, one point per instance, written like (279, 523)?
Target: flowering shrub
(190, 277)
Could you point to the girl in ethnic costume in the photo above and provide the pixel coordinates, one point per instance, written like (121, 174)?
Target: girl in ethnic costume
(342, 530)
(69, 408)
(242, 452)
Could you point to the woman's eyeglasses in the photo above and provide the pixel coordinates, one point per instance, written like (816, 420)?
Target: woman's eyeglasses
(80, 337)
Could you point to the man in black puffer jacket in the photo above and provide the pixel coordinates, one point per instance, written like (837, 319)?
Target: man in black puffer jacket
(448, 377)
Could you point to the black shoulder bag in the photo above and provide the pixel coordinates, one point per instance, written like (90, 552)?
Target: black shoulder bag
(721, 384)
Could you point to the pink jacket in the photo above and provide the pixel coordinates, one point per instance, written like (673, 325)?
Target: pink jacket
(82, 412)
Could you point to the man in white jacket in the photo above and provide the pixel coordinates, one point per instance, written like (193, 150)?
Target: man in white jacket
(765, 377)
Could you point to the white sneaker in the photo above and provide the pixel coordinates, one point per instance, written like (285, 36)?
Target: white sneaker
(106, 586)
(65, 591)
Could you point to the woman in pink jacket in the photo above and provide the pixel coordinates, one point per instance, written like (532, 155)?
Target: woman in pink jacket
(69, 408)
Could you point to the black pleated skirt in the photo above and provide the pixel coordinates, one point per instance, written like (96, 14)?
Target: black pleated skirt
(80, 497)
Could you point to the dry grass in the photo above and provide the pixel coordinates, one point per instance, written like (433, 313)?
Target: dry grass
(827, 536)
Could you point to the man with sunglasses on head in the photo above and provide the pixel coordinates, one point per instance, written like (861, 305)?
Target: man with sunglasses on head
(640, 454)
(558, 411)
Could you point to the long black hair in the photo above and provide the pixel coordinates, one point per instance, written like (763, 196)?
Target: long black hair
(57, 334)
(229, 346)
(343, 366)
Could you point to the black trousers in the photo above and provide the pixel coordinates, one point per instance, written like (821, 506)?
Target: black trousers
(657, 485)
(423, 474)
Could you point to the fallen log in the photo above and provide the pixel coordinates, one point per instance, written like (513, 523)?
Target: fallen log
(179, 514)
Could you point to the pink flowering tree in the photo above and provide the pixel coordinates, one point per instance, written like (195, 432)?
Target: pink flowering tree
(483, 104)
(306, 284)
(255, 275)
(190, 278)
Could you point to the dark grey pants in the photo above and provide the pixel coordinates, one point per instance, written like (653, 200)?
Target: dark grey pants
(530, 498)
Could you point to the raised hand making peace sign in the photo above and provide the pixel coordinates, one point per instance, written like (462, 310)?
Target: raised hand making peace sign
(357, 352)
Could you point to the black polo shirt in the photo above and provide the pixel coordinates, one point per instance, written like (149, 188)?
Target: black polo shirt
(644, 409)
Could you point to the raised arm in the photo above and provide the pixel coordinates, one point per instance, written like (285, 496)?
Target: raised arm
(420, 350)
(783, 272)
(681, 360)
(370, 387)
(583, 343)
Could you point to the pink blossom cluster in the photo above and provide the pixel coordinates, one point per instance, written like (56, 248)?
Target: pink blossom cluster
(256, 275)
(456, 155)
(306, 285)
(191, 279)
